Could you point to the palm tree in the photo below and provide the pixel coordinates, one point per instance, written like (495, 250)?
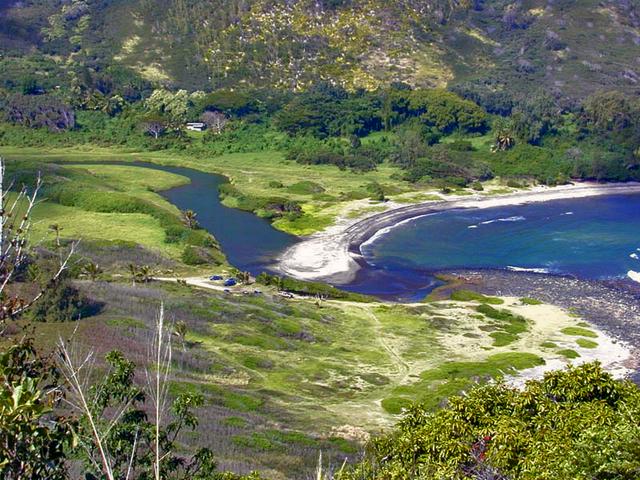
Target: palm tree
(244, 277)
(92, 270)
(504, 137)
(55, 228)
(133, 272)
(145, 274)
(180, 329)
(189, 217)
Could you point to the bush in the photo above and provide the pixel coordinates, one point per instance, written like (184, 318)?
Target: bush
(469, 296)
(306, 187)
(192, 255)
(571, 424)
(60, 302)
(308, 288)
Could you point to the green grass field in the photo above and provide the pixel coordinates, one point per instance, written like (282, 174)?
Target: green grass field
(259, 175)
(251, 174)
(109, 207)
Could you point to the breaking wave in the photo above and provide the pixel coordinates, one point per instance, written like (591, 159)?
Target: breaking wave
(531, 270)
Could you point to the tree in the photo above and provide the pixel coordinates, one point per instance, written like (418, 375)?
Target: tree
(60, 302)
(189, 218)
(15, 215)
(139, 273)
(244, 277)
(56, 229)
(575, 423)
(173, 106)
(216, 121)
(92, 270)
(128, 431)
(447, 111)
(133, 273)
(180, 329)
(33, 439)
(503, 135)
(39, 111)
(376, 191)
(103, 103)
(409, 147)
(154, 126)
(611, 111)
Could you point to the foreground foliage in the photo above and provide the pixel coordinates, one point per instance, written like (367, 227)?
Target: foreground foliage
(573, 424)
(33, 439)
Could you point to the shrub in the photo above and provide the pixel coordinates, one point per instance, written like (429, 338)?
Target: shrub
(568, 353)
(59, 303)
(570, 424)
(308, 288)
(530, 301)
(471, 296)
(584, 343)
(579, 332)
(396, 405)
(305, 187)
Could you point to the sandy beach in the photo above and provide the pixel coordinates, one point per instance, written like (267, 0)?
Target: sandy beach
(333, 255)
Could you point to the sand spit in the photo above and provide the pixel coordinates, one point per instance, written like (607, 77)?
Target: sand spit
(333, 255)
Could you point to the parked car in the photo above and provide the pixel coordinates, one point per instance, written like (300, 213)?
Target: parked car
(230, 282)
(215, 277)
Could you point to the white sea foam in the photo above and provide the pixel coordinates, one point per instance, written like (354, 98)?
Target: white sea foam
(472, 226)
(635, 276)
(523, 269)
(518, 218)
(567, 213)
(382, 232)
(634, 256)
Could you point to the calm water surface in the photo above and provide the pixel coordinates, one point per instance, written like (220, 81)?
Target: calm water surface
(249, 242)
(593, 238)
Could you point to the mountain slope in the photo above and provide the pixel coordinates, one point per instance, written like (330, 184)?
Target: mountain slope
(572, 48)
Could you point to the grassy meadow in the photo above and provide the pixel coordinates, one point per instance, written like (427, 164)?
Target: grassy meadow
(254, 175)
(324, 192)
(282, 378)
(285, 378)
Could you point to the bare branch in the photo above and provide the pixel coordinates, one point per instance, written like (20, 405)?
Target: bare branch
(71, 370)
(157, 381)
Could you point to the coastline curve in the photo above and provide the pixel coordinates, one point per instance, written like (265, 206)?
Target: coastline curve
(334, 255)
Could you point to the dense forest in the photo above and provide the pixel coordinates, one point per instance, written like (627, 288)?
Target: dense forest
(434, 135)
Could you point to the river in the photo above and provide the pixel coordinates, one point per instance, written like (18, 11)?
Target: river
(589, 238)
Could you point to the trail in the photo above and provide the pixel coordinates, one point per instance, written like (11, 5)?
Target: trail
(400, 365)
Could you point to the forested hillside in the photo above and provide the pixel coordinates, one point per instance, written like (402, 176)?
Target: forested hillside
(489, 49)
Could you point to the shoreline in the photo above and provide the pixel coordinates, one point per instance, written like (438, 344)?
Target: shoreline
(334, 254)
(612, 306)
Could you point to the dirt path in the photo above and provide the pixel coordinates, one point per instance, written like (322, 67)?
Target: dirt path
(402, 367)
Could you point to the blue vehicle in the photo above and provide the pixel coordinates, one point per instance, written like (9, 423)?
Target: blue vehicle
(215, 277)
(230, 282)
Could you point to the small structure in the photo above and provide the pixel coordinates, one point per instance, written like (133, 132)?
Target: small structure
(196, 126)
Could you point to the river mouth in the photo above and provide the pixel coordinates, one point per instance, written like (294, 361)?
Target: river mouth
(249, 242)
(593, 238)
(402, 264)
